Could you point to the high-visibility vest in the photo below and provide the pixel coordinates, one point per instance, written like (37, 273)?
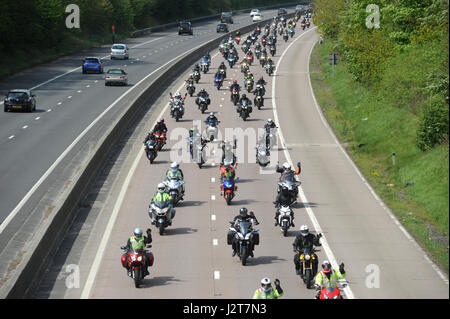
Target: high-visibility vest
(162, 197)
(273, 294)
(323, 281)
(137, 243)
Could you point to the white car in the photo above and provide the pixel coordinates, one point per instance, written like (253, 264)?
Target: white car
(119, 51)
(253, 12)
(257, 17)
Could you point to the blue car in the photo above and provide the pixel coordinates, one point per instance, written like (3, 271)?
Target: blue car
(92, 65)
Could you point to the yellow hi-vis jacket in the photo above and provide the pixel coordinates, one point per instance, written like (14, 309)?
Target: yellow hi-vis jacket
(272, 294)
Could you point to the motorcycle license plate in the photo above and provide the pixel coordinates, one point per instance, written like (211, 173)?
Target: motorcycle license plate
(16, 106)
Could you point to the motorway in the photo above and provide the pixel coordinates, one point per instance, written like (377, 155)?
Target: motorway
(68, 102)
(192, 260)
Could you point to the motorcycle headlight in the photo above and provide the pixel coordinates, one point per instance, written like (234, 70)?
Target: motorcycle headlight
(335, 297)
(139, 258)
(307, 257)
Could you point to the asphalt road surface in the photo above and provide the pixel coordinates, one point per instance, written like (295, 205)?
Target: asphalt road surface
(193, 260)
(69, 101)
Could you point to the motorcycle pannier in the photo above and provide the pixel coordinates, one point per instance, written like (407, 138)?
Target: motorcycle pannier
(255, 238)
(230, 237)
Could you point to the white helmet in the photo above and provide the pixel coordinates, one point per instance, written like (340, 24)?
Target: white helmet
(161, 186)
(269, 121)
(174, 165)
(304, 230)
(138, 232)
(211, 113)
(266, 285)
(286, 166)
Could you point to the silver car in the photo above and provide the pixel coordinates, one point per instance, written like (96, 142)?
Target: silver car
(119, 51)
(116, 76)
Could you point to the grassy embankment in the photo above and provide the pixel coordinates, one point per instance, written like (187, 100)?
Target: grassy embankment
(371, 127)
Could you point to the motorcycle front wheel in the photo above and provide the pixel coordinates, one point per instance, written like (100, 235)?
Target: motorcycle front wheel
(137, 277)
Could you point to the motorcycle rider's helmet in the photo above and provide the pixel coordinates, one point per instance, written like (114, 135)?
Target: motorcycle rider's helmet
(326, 266)
(161, 120)
(191, 131)
(304, 230)
(269, 121)
(161, 187)
(266, 285)
(286, 166)
(269, 58)
(243, 212)
(178, 95)
(138, 232)
(211, 114)
(174, 165)
(244, 96)
(235, 82)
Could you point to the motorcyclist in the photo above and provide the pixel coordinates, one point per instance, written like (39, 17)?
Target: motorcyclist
(243, 216)
(226, 172)
(139, 242)
(284, 198)
(161, 195)
(196, 68)
(285, 170)
(235, 86)
(267, 292)
(211, 119)
(261, 81)
(305, 240)
(219, 75)
(223, 67)
(249, 77)
(269, 127)
(227, 152)
(174, 172)
(176, 97)
(190, 79)
(328, 277)
(269, 62)
(202, 93)
(159, 127)
(241, 100)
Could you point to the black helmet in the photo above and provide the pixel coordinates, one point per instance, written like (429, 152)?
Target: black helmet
(243, 212)
(244, 96)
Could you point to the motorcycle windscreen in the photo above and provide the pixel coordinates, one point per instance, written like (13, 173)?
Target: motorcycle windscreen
(244, 227)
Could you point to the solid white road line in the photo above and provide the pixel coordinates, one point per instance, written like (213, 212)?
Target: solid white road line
(312, 217)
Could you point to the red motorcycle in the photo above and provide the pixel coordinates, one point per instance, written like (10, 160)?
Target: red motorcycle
(237, 39)
(308, 24)
(135, 260)
(303, 25)
(330, 293)
(250, 58)
(263, 41)
(160, 138)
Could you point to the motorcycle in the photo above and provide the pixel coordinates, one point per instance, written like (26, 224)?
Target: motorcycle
(262, 155)
(231, 61)
(237, 39)
(175, 187)
(308, 24)
(262, 59)
(257, 53)
(291, 32)
(263, 41)
(227, 188)
(246, 237)
(250, 58)
(160, 138)
(223, 73)
(269, 69)
(177, 109)
(244, 110)
(204, 67)
(273, 49)
(150, 150)
(202, 104)
(270, 138)
(196, 76)
(285, 37)
(303, 25)
(234, 97)
(291, 185)
(284, 219)
(212, 130)
(134, 260)
(308, 258)
(200, 155)
(158, 212)
(218, 80)
(244, 47)
(259, 100)
(244, 67)
(190, 89)
(331, 293)
(253, 38)
(248, 85)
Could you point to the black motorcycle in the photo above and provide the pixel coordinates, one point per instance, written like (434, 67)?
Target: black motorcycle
(245, 237)
(309, 262)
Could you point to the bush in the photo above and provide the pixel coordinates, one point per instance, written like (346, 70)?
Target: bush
(433, 127)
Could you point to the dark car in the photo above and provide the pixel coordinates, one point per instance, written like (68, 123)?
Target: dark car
(185, 27)
(20, 100)
(222, 27)
(92, 64)
(226, 17)
(282, 12)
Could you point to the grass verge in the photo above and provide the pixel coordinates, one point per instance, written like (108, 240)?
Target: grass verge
(416, 187)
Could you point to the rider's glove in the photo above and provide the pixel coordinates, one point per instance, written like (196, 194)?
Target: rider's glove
(341, 268)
